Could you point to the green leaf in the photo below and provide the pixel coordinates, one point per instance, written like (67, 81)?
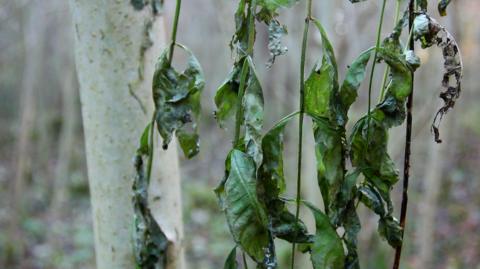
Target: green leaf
(322, 84)
(327, 248)
(177, 101)
(442, 7)
(231, 262)
(144, 146)
(245, 214)
(353, 79)
(252, 104)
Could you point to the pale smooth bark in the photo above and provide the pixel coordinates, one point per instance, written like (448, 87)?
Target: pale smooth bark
(110, 58)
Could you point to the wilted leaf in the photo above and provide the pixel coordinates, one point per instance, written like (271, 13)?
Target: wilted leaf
(272, 183)
(327, 248)
(177, 101)
(389, 228)
(150, 243)
(430, 32)
(372, 199)
(322, 84)
(353, 79)
(226, 96)
(329, 151)
(252, 104)
(275, 46)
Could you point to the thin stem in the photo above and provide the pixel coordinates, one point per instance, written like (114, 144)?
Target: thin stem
(241, 92)
(244, 72)
(387, 69)
(300, 123)
(372, 72)
(174, 31)
(245, 264)
(408, 142)
(150, 148)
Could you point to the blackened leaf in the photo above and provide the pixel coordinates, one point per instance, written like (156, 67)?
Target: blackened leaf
(272, 183)
(442, 7)
(322, 84)
(351, 224)
(275, 46)
(226, 96)
(231, 262)
(177, 101)
(356, 1)
(327, 248)
(246, 216)
(150, 243)
(353, 79)
(430, 32)
(253, 114)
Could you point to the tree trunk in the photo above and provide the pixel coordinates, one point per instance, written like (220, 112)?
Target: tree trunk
(34, 43)
(115, 64)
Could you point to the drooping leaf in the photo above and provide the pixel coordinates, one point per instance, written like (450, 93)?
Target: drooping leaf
(283, 224)
(275, 46)
(389, 228)
(245, 214)
(239, 41)
(351, 224)
(327, 248)
(329, 151)
(430, 32)
(372, 199)
(369, 139)
(177, 101)
(442, 7)
(150, 243)
(226, 96)
(252, 104)
(322, 84)
(231, 262)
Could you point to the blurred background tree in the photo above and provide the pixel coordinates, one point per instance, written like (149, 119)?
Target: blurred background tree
(46, 214)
